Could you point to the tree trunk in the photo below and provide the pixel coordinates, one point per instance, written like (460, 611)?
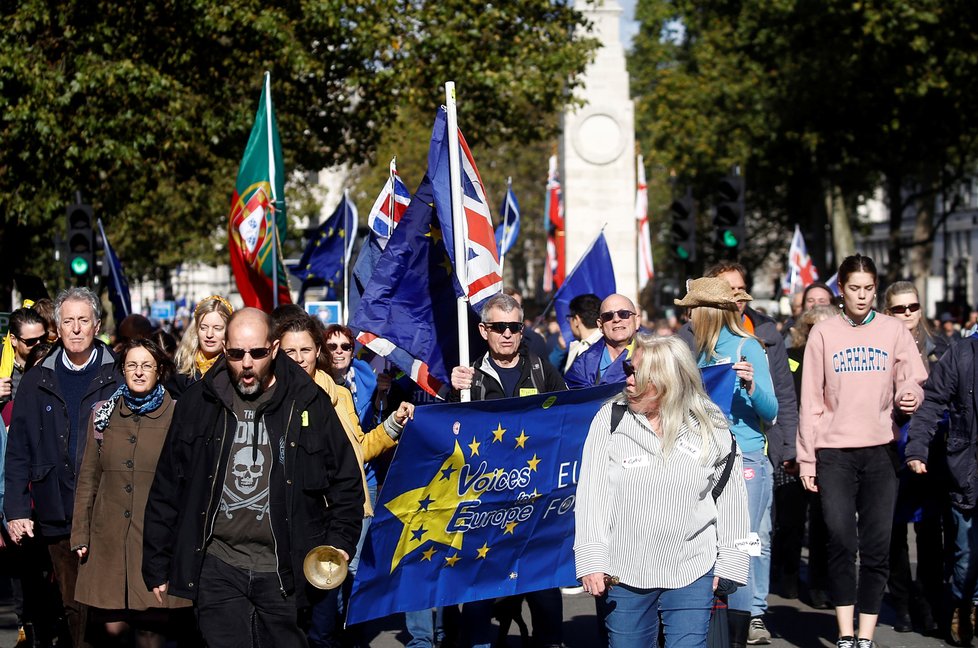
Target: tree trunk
(842, 241)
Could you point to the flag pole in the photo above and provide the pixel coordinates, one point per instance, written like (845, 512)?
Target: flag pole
(502, 255)
(115, 274)
(346, 259)
(271, 182)
(458, 231)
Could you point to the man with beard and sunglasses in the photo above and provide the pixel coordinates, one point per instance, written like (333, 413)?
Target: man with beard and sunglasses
(601, 364)
(256, 471)
(508, 370)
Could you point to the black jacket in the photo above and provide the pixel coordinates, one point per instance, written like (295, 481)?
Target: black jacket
(38, 468)
(782, 435)
(535, 373)
(951, 386)
(316, 492)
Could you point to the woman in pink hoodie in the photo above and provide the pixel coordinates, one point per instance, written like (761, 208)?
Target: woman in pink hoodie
(858, 367)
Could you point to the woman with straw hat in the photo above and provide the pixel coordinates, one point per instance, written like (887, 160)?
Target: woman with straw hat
(720, 338)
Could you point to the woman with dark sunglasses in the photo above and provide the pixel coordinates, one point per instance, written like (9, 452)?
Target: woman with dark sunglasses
(920, 498)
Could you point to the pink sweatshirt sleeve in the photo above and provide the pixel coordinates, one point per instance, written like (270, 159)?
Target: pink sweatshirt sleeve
(812, 401)
(909, 372)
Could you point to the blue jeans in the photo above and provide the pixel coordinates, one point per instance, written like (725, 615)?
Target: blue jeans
(964, 573)
(758, 477)
(424, 627)
(631, 615)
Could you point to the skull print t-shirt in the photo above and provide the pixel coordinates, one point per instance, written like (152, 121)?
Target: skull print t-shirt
(242, 527)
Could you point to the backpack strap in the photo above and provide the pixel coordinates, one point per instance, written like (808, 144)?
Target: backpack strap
(617, 412)
(727, 468)
(537, 375)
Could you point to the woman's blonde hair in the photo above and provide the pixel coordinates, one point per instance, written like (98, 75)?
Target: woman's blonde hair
(921, 333)
(668, 367)
(808, 319)
(185, 358)
(707, 324)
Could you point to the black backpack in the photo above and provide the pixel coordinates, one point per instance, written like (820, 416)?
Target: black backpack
(618, 411)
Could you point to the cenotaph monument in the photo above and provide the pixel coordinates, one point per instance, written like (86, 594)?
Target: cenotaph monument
(597, 153)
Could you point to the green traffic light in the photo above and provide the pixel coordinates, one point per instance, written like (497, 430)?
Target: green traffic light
(79, 265)
(682, 253)
(729, 240)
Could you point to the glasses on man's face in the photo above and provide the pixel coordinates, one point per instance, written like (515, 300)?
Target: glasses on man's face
(333, 346)
(628, 368)
(903, 308)
(239, 354)
(623, 313)
(147, 367)
(502, 327)
(29, 342)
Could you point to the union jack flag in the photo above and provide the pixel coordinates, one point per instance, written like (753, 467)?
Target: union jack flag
(389, 207)
(482, 277)
(801, 269)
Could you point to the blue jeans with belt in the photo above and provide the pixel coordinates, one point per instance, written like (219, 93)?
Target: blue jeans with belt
(631, 614)
(759, 480)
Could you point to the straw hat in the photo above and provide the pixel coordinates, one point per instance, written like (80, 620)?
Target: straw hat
(713, 292)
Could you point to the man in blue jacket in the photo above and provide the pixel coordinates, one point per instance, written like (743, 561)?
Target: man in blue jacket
(602, 363)
(47, 439)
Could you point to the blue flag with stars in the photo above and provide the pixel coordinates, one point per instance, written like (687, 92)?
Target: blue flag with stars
(478, 504)
(322, 260)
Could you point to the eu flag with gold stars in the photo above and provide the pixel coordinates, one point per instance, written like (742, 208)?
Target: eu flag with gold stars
(478, 504)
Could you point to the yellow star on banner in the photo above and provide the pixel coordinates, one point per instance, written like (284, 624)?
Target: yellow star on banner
(474, 447)
(427, 511)
(426, 555)
(497, 434)
(532, 463)
(451, 560)
(483, 551)
(447, 264)
(434, 233)
(521, 439)
(510, 527)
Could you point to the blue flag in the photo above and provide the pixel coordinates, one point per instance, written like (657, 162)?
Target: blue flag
(322, 261)
(509, 229)
(407, 310)
(118, 286)
(594, 274)
(478, 503)
(479, 500)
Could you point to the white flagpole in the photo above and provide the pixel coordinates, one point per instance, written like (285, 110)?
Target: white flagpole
(502, 255)
(459, 231)
(271, 182)
(346, 258)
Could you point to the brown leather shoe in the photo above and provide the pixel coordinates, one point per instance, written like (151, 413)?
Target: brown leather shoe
(962, 629)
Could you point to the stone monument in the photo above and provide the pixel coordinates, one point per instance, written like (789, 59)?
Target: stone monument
(598, 154)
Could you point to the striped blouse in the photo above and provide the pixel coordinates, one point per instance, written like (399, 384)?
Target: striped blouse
(650, 520)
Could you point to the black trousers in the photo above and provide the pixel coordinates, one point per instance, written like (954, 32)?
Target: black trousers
(792, 506)
(858, 484)
(238, 608)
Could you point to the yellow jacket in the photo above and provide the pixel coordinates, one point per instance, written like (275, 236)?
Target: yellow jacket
(366, 446)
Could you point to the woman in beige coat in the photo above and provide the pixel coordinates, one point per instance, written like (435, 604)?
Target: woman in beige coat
(127, 433)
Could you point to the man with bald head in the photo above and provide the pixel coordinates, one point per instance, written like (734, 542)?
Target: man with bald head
(602, 363)
(256, 471)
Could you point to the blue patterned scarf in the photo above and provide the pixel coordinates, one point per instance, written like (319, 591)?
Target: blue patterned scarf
(138, 404)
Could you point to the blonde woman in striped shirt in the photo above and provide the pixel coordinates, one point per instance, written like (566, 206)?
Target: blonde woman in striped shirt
(646, 518)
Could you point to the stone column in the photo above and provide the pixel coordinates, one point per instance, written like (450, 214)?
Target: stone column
(598, 154)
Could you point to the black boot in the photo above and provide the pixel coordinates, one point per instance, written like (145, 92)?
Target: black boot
(739, 622)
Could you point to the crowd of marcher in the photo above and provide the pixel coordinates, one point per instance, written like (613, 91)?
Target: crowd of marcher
(169, 490)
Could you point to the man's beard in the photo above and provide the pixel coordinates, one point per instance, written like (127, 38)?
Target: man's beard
(249, 390)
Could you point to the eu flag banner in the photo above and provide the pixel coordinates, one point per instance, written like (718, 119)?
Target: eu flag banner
(478, 504)
(509, 229)
(322, 260)
(594, 274)
(118, 286)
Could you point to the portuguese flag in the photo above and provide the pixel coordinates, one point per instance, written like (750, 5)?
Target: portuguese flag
(256, 226)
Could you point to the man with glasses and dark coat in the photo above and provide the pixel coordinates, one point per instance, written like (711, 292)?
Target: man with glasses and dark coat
(509, 370)
(256, 471)
(602, 363)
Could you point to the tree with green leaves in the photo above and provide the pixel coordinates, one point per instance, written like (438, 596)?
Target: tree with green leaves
(145, 107)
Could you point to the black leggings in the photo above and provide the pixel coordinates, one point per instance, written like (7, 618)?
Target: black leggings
(858, 482)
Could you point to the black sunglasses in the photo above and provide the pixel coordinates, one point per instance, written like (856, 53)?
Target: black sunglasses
(900, 310)
(333, 346)
(31, 341)
(239, 354)
(607, 316)
(628, 368)
(502, 327)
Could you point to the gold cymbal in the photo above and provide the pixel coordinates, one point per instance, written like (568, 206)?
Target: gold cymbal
(325, 567)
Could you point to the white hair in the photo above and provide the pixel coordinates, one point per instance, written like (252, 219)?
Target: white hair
(77, 294)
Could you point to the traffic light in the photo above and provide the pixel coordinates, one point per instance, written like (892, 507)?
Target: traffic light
(729, 216)
(81, 242)
(682, 237)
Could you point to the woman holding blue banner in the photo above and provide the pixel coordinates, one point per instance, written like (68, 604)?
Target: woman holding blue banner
(661, 513)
